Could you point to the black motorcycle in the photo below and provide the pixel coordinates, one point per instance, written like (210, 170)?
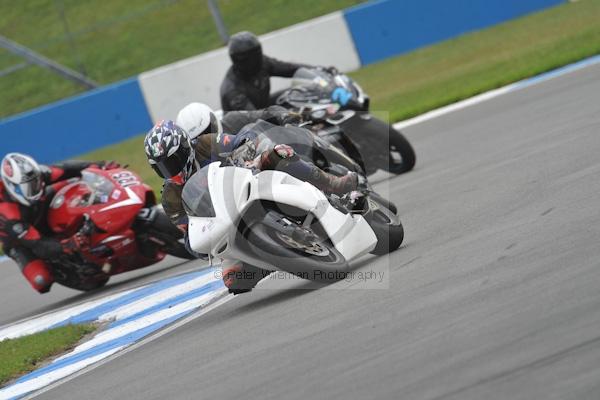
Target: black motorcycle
(338, 110)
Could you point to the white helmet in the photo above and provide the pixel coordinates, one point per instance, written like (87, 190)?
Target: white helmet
(22, 178)
(198, 119)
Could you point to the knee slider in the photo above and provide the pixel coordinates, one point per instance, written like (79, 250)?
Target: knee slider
(284, 151)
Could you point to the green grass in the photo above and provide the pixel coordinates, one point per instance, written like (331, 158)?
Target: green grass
(411, 84)
(129, 152)
(24, 354)
(116, 39)
(460, 68)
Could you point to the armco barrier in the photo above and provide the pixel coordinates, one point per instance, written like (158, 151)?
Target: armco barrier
(79, 124)
(386, 28)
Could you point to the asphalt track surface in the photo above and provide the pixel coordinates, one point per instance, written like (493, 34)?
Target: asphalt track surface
(19, 301)
(495, 293)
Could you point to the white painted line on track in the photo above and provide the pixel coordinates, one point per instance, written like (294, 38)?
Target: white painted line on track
(40, 323)
(150, 301)
(133, 315)
(143, 322)
(170, 328)
(149, 311)
(526, 83)
(116, 306)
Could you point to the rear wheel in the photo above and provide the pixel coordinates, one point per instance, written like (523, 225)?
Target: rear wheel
(298, 251)
(384, 202)
(402, 156)
(381, 146)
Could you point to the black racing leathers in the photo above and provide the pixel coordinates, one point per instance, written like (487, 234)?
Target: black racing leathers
(240, 92)
(234, 121)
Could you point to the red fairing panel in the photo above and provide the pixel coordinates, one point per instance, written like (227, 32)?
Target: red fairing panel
(112, 199)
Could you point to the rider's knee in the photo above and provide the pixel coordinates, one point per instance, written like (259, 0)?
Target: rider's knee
(284, 151)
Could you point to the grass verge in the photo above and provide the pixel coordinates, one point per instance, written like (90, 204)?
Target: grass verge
(116, 39)
(130, 152)
(24, 354)
(435, 76)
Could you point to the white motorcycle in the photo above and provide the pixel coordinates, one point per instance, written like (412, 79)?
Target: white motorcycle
(274, 221)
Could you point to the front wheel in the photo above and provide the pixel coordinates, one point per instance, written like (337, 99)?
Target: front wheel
(402, 156)
(380, 145)
(387, 227)
(308, 257)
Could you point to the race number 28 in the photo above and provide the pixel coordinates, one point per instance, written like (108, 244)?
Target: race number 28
(126, 179)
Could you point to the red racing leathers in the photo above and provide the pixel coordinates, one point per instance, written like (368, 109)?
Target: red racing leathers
(24, 233)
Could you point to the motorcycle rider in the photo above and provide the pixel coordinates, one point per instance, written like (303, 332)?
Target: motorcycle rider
(247, 82)
(198, 118)
(175, 156)
(26, 190)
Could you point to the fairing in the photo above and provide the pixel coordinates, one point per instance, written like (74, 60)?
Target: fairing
(112, 200)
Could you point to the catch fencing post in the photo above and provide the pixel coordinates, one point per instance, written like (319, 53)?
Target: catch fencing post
(47, 63)
(218, 18)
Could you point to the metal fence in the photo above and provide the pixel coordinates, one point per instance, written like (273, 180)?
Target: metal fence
(16, 56)
(103, 41)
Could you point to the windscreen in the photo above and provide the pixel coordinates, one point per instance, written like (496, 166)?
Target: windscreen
(312, 78)
(319, 87)
(196, 195)
(100, 187)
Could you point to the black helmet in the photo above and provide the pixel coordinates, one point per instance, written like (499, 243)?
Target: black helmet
(245, 52)
(168, 149)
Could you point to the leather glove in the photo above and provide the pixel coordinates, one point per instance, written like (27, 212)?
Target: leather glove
(332, 70)
(108, 164)
(76, 243)
(111, 164)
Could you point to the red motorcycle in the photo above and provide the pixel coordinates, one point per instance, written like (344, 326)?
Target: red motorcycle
(127, 229)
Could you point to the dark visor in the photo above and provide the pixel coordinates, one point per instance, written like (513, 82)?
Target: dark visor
(170, 166)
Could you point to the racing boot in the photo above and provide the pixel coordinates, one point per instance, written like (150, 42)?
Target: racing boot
(241, 278)
(36, 271)
(329, 183)
(284, 158)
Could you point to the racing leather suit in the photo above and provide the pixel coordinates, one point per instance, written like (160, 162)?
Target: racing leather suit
(234, 121)
(240, 92)
(248, 148)
(24, 233)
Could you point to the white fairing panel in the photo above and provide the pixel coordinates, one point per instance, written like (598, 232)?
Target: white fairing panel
(234, 189)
